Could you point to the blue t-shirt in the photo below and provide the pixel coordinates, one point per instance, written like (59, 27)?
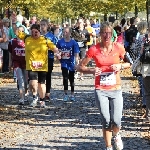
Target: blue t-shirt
(68, 49)
(54, 39)
(96, 27)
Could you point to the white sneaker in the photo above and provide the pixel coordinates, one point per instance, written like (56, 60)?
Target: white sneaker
(26, 95)
(118, 142)
(21, 102)
(76, 76)
(34, 102)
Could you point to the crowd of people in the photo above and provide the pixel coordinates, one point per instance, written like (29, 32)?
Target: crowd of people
(31, 51)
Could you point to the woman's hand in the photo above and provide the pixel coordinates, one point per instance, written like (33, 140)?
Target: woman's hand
(116, 67)
(58, 55)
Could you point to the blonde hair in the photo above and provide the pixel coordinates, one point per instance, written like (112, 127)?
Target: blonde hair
(116, 23)
(104, 26)
(142, 27)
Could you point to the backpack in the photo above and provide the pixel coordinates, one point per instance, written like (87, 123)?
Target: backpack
(145, 57)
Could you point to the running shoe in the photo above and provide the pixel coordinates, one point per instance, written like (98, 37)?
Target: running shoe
(72, 98)
(66, 98)
(47, 98)
(109, 148)
(34, 102)
(21, 102)
(76, 75)
(42, 104)
(26, 97)
(118, 142)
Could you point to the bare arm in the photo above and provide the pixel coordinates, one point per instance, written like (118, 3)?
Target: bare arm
(4, 38)
(76, 58)
(82, 67)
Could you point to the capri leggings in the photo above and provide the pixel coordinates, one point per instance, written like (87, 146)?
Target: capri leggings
(37, 75)
(22, 78)
(67, 74)
(110, 104)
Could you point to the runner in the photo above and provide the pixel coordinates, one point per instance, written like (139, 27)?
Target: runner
(108, 93)
(36, 52)
(69, 59)
(118, 30)
(44, 31)
(16, 48)
(92, 33)
(82, 38)
(3, 38)
(4, 46)
(96, 26)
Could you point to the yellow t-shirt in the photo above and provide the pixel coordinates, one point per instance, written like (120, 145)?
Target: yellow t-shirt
(36, 52)
(90, 31)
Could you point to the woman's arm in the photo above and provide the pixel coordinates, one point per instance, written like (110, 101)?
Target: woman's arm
(82, 66)
(3, 38)
(76, 58)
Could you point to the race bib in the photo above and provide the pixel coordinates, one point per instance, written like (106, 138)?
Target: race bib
(37, 64)
(65, 55)
(20, 52)
(107, 79)
(81, 44)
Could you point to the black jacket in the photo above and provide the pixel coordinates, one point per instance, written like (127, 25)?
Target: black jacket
(130, 33)
(81, 36)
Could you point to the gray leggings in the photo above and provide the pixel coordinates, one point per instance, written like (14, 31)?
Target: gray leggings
(22, 78)
(110, 105)
(146, 85)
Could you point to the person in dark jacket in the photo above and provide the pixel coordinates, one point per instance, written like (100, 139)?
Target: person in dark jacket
(130, 35)
(82, 37)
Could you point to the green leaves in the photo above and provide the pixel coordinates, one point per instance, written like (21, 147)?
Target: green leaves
(71, 8)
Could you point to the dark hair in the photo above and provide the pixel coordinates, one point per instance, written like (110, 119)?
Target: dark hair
(45, 20)
(123, 21)
(54, 28)
(132, 20)
(35, 26)
(23, 23)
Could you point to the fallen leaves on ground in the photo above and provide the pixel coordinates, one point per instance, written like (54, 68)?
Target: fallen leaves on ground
(6, 78)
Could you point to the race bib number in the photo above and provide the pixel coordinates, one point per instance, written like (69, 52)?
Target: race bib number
(37, 64)
(65, 55)
(81, 44)
(20, 52)
(107, 79)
